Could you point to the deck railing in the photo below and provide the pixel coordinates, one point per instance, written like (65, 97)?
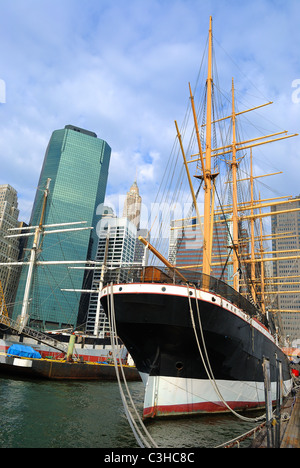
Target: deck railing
(181, 277)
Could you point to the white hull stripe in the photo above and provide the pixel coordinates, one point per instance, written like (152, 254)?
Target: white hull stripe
(174, 395)
(182, 291)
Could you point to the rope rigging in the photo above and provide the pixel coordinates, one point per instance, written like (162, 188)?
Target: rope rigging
(141, 434)
(207, 365)
(139, 429)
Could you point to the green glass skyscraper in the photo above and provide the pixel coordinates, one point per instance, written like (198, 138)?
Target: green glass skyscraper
(77, 163)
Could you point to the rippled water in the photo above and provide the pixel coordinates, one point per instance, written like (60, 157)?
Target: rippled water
(42, 414)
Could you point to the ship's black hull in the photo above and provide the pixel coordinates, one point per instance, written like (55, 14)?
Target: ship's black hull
(156, 327)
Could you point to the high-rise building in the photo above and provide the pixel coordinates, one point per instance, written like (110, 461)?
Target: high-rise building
(132, 211)
(132, 205)
(9, 247)
(186, 246)
(141, 253)
(116, 248)
(77, 163)
(287, 271)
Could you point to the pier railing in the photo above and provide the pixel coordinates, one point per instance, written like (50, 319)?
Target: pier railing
(180, 277)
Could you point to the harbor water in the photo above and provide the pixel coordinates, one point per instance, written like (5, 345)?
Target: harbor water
(48, 414)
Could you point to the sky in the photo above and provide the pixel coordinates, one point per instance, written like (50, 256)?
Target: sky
(121, 69)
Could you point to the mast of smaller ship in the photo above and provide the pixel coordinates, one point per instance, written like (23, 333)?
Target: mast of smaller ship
(33, 254)
(207, 176)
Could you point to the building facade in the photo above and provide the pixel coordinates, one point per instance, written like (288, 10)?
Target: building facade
(132, 205)
(9, 247)
(286, 272)
(77, 163)
(141, 253)
(186, 246)
(119, 250)
(132, 211)
(116, 249)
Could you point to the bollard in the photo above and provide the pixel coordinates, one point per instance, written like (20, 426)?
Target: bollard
(71, 348)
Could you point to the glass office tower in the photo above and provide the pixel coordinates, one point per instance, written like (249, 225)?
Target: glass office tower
(77, 163)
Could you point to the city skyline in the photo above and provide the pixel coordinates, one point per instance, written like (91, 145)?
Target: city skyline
(186, 249)
(131, 87)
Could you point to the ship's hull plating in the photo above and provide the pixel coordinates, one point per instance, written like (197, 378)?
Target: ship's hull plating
(154, 321)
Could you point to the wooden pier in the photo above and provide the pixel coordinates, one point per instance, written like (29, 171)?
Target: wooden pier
(291, 437)
(289, 425)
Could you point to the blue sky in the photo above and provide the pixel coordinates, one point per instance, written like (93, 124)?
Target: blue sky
(120, 68)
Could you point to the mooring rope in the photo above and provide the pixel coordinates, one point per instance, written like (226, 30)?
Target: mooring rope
(207, 367)
(140, 438)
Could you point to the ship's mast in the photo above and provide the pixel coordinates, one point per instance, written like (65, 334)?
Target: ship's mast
(235, 221)
(103, 268)
(33, 255)
(252, 238)
(262, 268)
(208, 176)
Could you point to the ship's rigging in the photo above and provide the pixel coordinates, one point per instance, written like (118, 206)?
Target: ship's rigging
(217, 144)
(155, 307)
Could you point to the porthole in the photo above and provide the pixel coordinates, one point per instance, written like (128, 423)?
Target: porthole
(213, 299)
(179, 365)
(120, 289)
(163, 289)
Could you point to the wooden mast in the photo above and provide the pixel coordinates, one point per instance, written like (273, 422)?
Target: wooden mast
(162, 258)
(188, 175)
(208, 176)
(253, 290)
(262, 269)
(235, 221)
(33, 255)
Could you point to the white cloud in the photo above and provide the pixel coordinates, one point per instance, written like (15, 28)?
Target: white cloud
(121, 69)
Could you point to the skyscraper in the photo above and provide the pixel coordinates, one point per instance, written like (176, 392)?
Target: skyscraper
(132, 205)
(287, 271)
(186, 246)
(9, 247)
(77, 163)
(132, 211)
(116, 249)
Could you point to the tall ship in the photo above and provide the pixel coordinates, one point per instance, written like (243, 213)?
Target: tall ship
(200, 333)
